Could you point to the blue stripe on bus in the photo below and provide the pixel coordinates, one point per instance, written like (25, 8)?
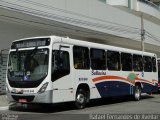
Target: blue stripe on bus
(119, 88)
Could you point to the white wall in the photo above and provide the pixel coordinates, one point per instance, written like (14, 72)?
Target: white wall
(10, 32)
(148, 9)
(118, 2)
(153, 29)
(89, 14)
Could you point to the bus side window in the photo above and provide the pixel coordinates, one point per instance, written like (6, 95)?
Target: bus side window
(98, 59)
(137, 63)
(147, 64)
(113, 60)
(81, 57)
(60, 64)
(154, 67)
(126, 61)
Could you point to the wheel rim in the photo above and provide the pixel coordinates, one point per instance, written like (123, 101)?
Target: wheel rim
(80, 98)
(137, 94)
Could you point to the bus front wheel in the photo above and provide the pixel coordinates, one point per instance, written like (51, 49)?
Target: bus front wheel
(81, 98)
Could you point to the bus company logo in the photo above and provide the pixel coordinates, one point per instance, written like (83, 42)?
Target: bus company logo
(96, 72)
(132, 76)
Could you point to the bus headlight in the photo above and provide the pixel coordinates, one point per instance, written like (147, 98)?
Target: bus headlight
(43, 88)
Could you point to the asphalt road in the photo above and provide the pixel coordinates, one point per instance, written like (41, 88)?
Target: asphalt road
(97, 109)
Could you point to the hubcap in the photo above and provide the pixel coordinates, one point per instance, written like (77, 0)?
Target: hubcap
(80, 98)
(137, 93)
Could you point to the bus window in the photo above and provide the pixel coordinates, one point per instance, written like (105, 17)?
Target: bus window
(81, 57)
(154, 64)
(147, 64)
(137, 63)
(60, 64)
(98, 59)
(126, 61)
(113, 60)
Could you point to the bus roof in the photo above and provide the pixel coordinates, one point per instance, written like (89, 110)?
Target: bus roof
(67, 40)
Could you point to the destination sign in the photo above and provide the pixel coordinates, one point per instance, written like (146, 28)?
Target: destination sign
(31, 43)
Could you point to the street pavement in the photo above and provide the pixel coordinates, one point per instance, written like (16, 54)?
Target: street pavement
(122, 105)
(3, 100)
(4, 104)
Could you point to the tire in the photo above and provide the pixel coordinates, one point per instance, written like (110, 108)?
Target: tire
(137, 93)
(80, 100)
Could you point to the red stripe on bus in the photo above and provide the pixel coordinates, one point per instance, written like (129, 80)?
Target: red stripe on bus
(111, 78)
(105, 78)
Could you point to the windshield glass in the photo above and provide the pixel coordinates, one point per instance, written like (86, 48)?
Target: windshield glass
(28, 65)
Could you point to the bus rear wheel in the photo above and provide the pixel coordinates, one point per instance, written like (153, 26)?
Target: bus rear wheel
(137, 93)
(81, 98)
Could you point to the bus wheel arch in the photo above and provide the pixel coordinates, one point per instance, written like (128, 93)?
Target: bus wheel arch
(82, 95)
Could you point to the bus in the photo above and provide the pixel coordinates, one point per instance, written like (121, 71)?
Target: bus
(53, 69)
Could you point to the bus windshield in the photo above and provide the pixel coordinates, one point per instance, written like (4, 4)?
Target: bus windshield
(28, 65)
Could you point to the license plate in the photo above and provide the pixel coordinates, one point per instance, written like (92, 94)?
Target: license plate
(22, 100)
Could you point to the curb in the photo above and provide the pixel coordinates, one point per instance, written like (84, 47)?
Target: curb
(4, 108)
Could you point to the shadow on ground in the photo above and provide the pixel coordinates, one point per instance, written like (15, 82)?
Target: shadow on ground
(55, 108)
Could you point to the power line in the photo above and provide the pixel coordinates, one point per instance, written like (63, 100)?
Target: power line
(152, 37)
(49, 24)
(115, 27)
(71, 12)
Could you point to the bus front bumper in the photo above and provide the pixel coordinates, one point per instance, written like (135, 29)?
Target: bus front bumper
(45, 97)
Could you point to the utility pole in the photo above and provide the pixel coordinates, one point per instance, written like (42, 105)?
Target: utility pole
(142, 33)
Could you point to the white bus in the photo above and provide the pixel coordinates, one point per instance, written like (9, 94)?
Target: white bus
(57, 69)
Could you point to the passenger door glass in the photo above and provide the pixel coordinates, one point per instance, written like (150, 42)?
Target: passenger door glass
(60, 64)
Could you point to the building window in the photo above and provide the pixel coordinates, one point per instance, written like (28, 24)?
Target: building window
(98, 59)
(81, 57)
(126, 61)
(113, 60)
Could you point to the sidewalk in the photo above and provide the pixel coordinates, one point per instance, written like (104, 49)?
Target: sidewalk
(3, 101)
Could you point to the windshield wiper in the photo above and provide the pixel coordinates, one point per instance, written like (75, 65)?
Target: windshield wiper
(33, 52)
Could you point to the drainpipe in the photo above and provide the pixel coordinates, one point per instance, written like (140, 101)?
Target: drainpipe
(129, 4)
